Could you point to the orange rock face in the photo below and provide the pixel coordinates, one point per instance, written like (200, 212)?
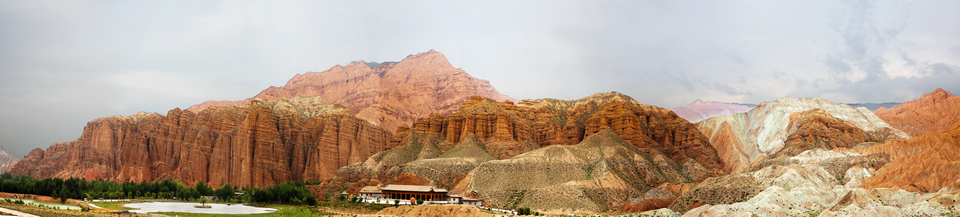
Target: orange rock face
(931, 113)
(444, 150)
(924, 163)
(258, 144)
(387, 94)
(553, 122)
(817, 129)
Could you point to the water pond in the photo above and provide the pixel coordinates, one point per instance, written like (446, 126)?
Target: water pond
(148, 207)
(46, 204)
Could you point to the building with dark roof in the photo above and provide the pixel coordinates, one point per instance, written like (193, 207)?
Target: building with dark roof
(420, 192)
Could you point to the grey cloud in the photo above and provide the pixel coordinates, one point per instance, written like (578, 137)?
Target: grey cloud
(863, 38)
(66, 63)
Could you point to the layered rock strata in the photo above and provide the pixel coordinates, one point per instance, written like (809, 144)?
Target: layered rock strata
(551, 122)
(634, 147)
(927, 163)
(814, 183)
(258, 144)
(744, 138)
(389, 94)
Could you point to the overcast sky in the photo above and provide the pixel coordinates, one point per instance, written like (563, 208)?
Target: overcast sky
(64, 63)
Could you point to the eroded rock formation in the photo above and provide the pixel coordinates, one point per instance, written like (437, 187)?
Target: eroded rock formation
(548, 122)
(389, 94)
(926, 163)
(931, 113)
(258, 144)
(491, 146)
(817, 129)
(744, 138)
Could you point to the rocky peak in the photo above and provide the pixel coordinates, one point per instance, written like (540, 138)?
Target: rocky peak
(595, 99)
(387, 94)
(431, 57)
(932, 112)
(937, 94)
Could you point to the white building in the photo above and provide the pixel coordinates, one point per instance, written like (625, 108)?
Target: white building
(371, 192)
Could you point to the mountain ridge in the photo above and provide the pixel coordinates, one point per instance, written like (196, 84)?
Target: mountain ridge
(931, 113)
(388, 94)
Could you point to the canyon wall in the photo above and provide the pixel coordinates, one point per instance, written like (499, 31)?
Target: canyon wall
(258, 144)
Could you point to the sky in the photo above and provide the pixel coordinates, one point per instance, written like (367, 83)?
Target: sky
(65, 63)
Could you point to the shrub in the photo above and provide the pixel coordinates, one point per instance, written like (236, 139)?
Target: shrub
(523, 211)
(311, 200)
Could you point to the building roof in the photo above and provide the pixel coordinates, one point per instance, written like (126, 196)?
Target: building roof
(471, 199)
(413, 188)
(370, 189)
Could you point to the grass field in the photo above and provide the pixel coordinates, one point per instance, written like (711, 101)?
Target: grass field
(114, 205)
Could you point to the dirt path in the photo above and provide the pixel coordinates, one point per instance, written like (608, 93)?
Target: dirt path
(17, 213)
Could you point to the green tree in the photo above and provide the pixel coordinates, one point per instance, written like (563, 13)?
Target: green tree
(312, 200)
(225, 192)
(203, 188)
(55, 194)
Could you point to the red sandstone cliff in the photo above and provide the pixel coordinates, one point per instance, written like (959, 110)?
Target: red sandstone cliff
(554, 150)
(257, 144)
(387, 94)
(931, 113)
(551, 122)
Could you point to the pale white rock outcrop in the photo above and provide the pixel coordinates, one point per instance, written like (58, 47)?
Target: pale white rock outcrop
(805, 188)
(761, 132)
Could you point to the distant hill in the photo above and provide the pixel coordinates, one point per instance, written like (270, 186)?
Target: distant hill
(700, 110)
(874, 106)
(7, 161)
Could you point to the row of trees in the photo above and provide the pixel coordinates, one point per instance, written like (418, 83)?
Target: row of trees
(290, 192)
